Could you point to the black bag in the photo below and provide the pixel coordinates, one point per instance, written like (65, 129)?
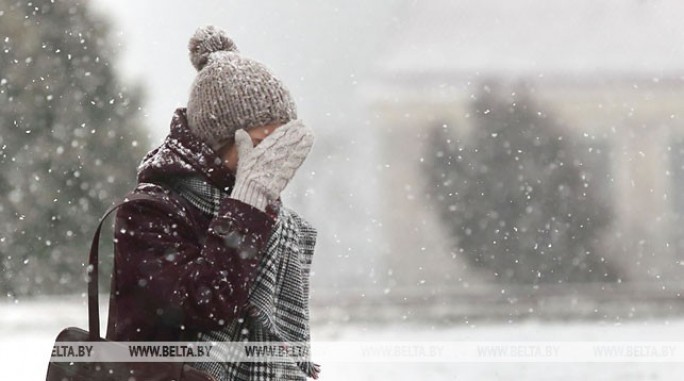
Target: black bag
(113, 371)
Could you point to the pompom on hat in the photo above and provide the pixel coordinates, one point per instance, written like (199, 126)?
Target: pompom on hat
(231, 91)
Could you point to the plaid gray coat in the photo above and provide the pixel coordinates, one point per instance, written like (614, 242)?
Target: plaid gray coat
(278, 298)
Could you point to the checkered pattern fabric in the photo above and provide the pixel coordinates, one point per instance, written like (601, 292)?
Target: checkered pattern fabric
(199, 193)
(278, 301)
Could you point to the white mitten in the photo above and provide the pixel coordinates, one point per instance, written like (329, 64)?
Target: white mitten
(264, 171)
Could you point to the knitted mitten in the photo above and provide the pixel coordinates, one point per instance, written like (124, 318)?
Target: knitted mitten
(264, 171)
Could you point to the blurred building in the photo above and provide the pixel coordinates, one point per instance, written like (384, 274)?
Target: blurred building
(612, 70)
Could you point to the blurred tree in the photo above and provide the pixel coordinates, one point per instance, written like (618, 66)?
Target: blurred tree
(519, 195)
(71, 139)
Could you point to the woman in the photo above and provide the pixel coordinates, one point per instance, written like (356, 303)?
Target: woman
(218, 257)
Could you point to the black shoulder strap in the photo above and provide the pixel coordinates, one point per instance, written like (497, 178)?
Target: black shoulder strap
(93, 261)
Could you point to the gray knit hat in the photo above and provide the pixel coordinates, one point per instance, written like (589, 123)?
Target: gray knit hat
(231, 91)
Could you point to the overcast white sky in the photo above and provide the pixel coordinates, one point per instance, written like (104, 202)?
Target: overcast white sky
(324, 50)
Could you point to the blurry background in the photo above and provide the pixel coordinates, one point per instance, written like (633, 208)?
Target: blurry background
(492, 162)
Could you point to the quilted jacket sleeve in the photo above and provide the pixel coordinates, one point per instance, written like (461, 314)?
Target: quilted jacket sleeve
(200, 285)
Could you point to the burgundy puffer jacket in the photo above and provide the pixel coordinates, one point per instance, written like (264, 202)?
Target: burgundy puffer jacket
(178, 270)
